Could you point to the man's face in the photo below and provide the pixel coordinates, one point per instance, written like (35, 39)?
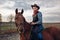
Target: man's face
(35, 9)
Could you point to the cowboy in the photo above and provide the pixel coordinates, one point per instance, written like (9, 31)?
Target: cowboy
(37, 27)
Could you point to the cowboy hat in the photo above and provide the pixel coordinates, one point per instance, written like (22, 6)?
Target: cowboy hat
(35, 5)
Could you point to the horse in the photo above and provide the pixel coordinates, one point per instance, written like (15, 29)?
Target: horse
(24, 29)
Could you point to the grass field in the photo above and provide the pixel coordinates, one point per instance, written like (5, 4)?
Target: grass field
(6, 26)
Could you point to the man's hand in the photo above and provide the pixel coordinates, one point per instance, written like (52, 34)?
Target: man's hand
(32, 23)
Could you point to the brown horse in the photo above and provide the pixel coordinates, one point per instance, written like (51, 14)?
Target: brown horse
(24, 29)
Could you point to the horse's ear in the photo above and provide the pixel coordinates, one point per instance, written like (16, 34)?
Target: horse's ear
(16, 11)
(22, 11)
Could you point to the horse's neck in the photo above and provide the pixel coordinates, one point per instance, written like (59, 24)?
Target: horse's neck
(27, 25)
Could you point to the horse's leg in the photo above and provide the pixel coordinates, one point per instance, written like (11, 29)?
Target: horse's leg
(27, 35)
(47, 36)
(22, 37)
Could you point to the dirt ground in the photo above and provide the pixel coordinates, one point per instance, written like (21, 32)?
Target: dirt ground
(12, 36)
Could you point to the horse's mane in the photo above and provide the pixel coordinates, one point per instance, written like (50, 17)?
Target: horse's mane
(26, 21)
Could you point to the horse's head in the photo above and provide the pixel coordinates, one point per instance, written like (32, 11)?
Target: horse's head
(19, 19)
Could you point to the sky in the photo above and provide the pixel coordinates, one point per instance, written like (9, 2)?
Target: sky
(50, 9)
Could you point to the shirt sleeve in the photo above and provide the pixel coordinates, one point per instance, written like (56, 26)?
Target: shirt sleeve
(39, 18)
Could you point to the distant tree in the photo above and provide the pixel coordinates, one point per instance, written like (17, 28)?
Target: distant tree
(0, 18)
(10, 18)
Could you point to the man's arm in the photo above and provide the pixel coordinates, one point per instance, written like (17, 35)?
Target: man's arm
(39, 18)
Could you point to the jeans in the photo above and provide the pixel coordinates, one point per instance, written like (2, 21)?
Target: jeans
(36, 36)
(40, 36)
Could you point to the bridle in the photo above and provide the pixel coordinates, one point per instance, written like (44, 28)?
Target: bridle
(20, 27)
